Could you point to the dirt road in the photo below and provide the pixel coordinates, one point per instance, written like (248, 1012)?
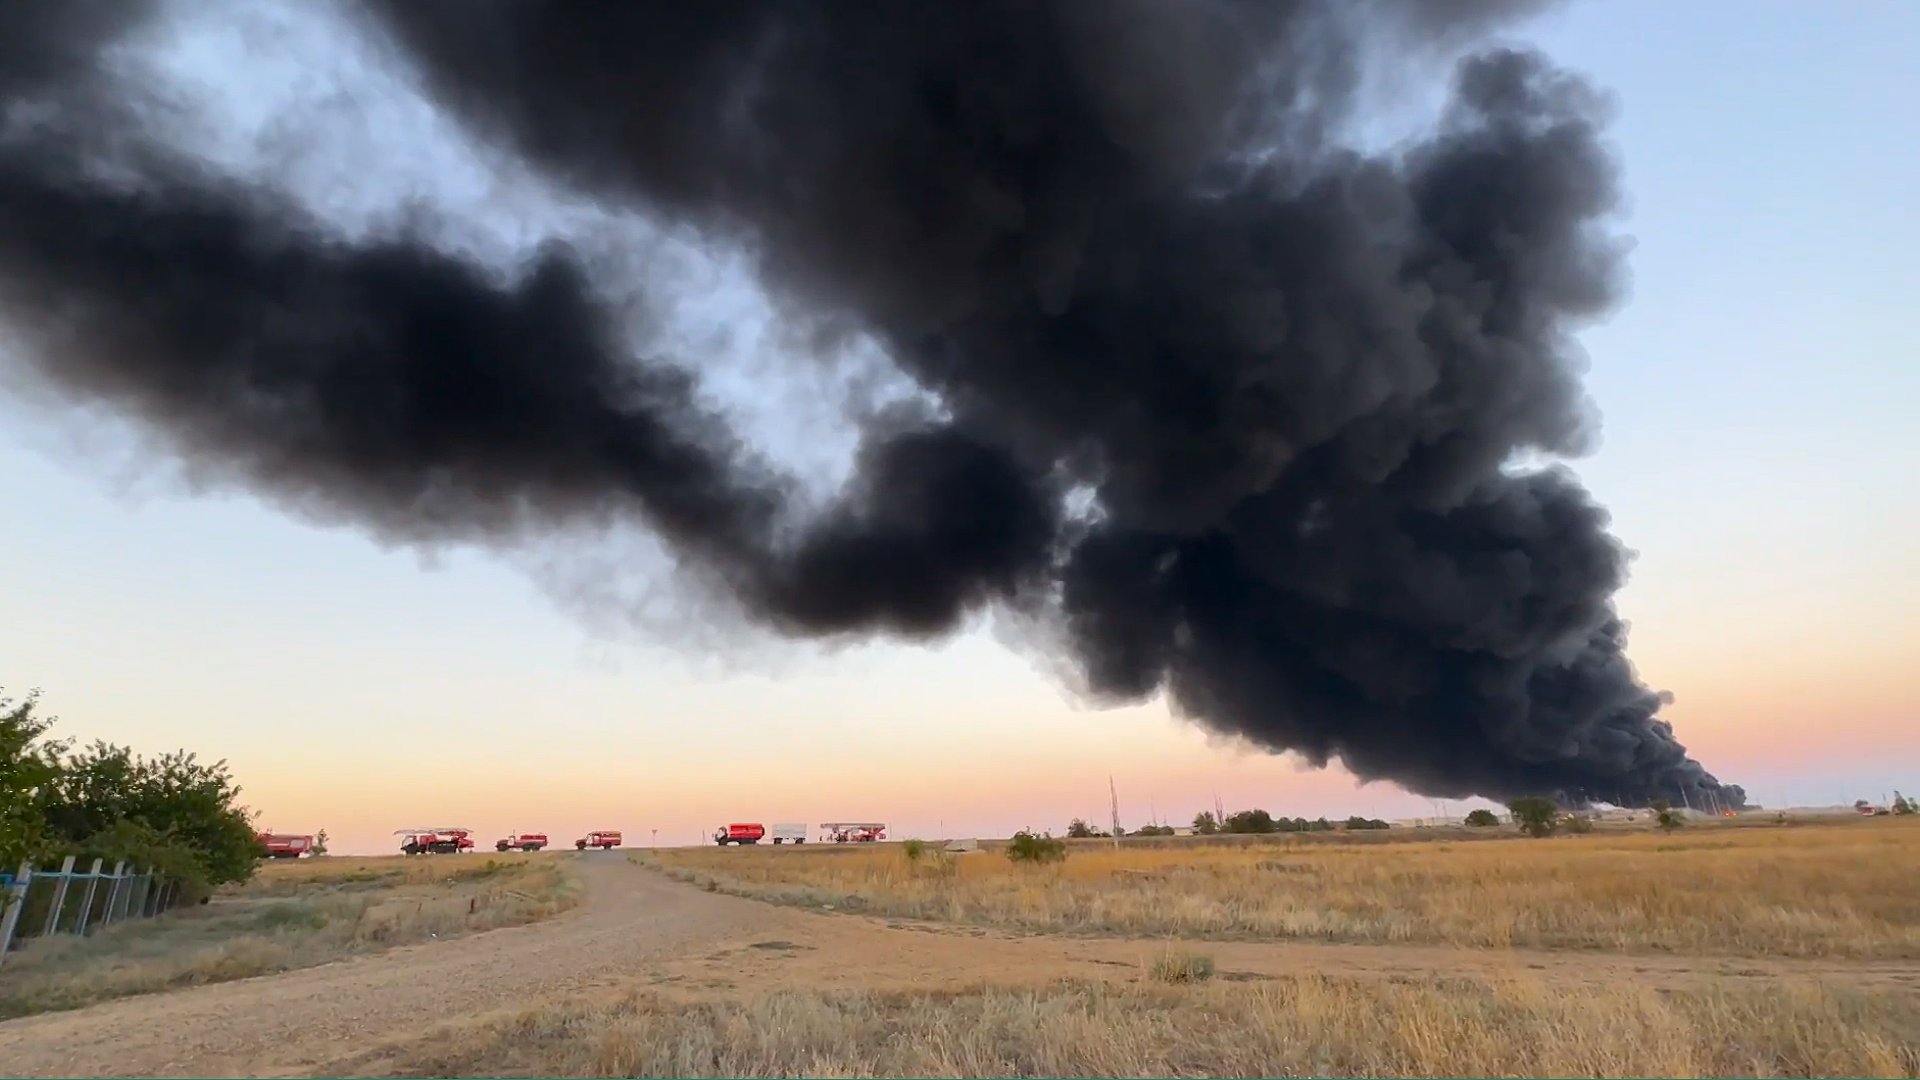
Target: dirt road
(635, 928)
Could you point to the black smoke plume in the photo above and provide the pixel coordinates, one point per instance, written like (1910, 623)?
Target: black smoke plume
(1125, 244)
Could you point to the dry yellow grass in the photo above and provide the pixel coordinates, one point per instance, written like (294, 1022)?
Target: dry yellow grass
(291, 915)
(1799, 891)
(1305, 1027)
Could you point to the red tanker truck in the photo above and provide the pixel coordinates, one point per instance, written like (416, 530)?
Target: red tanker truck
(284, 845)
(604, 839)
(739, 834)
(530, 841)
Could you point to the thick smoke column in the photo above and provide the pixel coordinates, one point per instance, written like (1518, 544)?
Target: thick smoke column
(1119, 240)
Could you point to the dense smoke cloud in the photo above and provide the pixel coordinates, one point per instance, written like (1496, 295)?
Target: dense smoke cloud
(1122, 245)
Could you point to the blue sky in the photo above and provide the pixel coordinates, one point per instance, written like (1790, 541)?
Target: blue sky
(1755, 452)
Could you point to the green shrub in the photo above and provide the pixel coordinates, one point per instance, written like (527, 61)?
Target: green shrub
(914, 849)
(1251, 821)
(1482, 818)
(1025, 846)
(1536, 816)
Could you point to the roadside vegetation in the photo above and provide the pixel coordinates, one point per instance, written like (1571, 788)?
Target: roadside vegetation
(173, 813)
(1308, 1026)
(1842, 890)
(290, 915)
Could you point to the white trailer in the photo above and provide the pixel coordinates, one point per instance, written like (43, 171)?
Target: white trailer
(788, 834)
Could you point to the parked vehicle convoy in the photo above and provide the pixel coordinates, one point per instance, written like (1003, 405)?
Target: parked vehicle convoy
(438, 841)
(284, 845)
(788, 834)
(604, 839)
(739, 834)
(532, 841)
(854, 832)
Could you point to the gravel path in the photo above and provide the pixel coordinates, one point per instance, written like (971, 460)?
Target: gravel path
(292, 1024)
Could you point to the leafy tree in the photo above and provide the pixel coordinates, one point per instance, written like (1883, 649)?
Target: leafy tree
(1026, 847)
(1663, 815)
(28, 764)
(1078, 829)
(320, 843)
(1358, 822)
(176, 801)
(1251, 821)
(1536, 816)
(1482, 818)
(1204, 824)
(170, 813)
(1154, 830)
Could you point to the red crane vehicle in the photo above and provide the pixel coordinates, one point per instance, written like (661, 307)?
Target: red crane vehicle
(438, 841)
(854, 832)
(284, 845)
(526, 841)
(739, 834)
(604, 839)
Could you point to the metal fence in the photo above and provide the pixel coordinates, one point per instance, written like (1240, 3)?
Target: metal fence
(40, 903)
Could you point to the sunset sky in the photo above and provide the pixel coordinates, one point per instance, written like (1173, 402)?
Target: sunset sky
(1758, 454)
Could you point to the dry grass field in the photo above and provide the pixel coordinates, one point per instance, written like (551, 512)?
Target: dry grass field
(1844, 890)
(291, 915)
(652, 978)
(1309, 1026)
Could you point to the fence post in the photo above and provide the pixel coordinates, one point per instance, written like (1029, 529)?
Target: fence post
(86, 905)
(148, 894)
(11, 905)
(113, 893)
(59, 897)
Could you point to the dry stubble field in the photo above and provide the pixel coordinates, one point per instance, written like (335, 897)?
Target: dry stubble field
(1848, 892)
(1850, 889)
(1751, 952)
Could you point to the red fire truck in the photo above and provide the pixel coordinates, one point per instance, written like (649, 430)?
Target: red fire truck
(750, 833)
(854, 832)
(437, 841)
(284, 845)
(526, 841)
(604, 839)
